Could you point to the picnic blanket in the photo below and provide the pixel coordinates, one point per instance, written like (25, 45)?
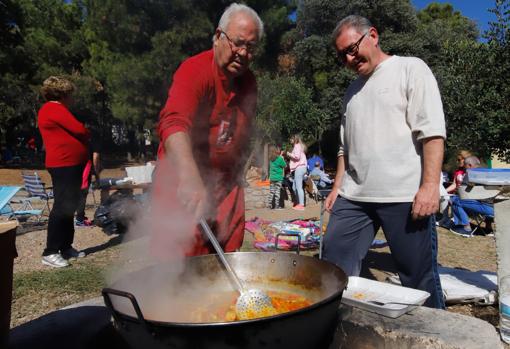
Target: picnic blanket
(465, 286)
(265, 233)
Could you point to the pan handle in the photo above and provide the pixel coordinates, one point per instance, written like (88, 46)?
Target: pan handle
(288, 234)
(108, 301)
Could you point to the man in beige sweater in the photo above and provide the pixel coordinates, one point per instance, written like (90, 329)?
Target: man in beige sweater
(391, 149)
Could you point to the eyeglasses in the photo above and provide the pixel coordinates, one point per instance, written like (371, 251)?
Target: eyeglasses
(351, 50)
(237, 46)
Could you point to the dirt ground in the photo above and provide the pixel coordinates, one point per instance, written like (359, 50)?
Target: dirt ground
(477, 253)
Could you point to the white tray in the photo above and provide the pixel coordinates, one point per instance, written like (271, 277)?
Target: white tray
(359, 291)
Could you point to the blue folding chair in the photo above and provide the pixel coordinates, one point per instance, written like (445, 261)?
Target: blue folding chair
(7, 194)
(37, 191)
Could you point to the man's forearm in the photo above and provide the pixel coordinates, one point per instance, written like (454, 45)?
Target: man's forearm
(191, 191)
(433, 150)
(340, 170)
(178, 150)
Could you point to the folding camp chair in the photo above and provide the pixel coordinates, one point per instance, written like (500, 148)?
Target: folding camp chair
(7, 199)
(311, 188)
(486, 220)
(37, 191)
(479, 207)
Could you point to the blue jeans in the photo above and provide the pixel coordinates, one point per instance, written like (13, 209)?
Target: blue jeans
(413, 243)
(297, 185)
(461, 208)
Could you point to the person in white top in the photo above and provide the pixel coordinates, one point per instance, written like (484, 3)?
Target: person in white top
(297, 166)
(392, 135)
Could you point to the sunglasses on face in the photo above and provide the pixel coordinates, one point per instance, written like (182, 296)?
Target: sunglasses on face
(351, 50)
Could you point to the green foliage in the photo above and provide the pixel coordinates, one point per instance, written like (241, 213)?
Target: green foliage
(320, 17)
(313, 54)
(134, 48)
(443, 15)
(88, 98)
(438, 24)
(499, 31)
(122, 54)
(52, 36)
(476, 95)
(285, 107)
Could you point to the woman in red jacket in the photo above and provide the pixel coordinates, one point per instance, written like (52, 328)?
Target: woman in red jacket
(66, 141)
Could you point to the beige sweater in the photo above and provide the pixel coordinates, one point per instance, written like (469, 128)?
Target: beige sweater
(386, 116)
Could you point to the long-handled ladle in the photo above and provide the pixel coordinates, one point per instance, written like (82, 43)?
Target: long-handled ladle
(252, 303)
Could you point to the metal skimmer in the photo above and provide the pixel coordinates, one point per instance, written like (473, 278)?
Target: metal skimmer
(252, 303)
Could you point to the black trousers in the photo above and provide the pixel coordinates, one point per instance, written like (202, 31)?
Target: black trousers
(66, 192)
(80, 211)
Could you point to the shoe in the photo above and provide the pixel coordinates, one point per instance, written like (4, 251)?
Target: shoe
(55, 260)
(461, 231)
(280, 208)
(72, 253)
(445, 224)
(299, 208)
(84, 223)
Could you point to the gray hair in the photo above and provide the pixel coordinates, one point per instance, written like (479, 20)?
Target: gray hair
(472, 160)
(236, 8)
(359, 23)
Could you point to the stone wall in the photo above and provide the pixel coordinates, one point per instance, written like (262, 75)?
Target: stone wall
(255, 196)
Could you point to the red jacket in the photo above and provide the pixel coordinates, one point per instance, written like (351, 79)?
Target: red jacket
(66, 139)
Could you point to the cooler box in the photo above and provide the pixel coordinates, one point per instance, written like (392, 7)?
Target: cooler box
(489, 176)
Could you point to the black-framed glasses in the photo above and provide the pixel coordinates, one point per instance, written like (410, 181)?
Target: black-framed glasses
(237, 46)
(351, 50)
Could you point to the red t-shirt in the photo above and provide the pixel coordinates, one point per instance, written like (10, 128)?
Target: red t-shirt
(219, 123)
(458, 176)
(66, 139)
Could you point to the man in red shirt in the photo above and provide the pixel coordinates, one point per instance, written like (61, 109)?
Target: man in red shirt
(205, 129)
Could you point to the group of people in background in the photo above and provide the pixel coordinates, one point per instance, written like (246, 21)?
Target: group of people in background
(298, 169)
(456, 216)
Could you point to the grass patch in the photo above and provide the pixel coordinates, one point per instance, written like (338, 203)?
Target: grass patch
(79, 279)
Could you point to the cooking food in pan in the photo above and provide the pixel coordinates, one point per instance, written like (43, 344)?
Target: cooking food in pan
(283, 302)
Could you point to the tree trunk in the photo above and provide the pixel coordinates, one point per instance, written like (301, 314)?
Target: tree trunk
(265, 164)
(254, 150)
